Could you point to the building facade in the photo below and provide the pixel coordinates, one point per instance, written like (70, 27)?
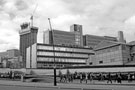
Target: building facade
(77, 30)
(10, 53)
(73, 48)
(59, 37)
(28, 36)
(92, 40)
(74, 37)
(10, 59)
(43, 56)
(111, 53)
(13, 53)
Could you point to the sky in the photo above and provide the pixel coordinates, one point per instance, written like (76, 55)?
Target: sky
(98, 17)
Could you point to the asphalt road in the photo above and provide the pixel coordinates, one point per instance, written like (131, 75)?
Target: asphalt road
(92, 87)
(2, 87)
(18, 85)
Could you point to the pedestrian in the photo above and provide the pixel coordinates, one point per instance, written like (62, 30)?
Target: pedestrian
(129, 77)
(72, 77)
(133, 77)
(115, 78)
(101, 77)
(109, 78)
(13, 75)
(86, 77)
(119, 78)
(10, 74)
(22, 77)
(60, 75)
(81, 78)
(91, 77)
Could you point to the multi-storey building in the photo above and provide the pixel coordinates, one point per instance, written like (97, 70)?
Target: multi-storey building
(43, 56)
(10, 53)
(13, 53)
(28, 36)
(59, 37)
(77, 30)
(111, 53)
(10, 58)
(74, 37)
(73, 48)
(92, 40)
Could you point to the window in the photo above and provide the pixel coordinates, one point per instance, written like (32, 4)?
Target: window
(128, 59)
(90, 63)
(123, 47)
(112, 60)
(100, 62)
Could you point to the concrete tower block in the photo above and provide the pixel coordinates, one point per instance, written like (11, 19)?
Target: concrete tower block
(121, 37)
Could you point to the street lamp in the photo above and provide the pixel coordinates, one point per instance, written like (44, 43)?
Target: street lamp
(55, 82)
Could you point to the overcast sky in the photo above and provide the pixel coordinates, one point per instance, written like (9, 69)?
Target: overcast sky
(98, 17)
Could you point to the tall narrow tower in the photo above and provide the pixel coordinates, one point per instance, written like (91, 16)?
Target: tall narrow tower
(28, 36)
(77, 29)
(121, 37)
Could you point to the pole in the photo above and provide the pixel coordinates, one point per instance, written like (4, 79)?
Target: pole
(55, 82)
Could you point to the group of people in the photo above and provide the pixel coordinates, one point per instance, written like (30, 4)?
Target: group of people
(66, 77)
(89, 76)
(70, 77)
(11, 75)
(117, 78)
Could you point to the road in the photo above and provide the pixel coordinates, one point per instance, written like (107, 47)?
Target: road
(18, 85)
(4, 87)
(67, 87)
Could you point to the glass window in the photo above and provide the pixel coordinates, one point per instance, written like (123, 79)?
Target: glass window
(100, 62)
(123, 47)
(90, 63)
(112, 60)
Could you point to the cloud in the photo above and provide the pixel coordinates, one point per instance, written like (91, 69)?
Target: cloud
(21, 5)
(98, 17)
(130, 20)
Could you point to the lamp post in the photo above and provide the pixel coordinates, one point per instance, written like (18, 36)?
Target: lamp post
(55, 82)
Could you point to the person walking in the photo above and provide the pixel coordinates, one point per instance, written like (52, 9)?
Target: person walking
(109, 78)
(13, 75)
(133, 77)
(60, 76)
(115, 78)
(119, 78)
(86, 77)
(91, 77)
(128, 77)
(81, 78)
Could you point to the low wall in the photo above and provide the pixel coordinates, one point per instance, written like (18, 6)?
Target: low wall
(6, 70)
(51, 71)
(114, 69)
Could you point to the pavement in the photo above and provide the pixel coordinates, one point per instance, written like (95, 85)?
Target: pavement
(96, 82)
(101, 85)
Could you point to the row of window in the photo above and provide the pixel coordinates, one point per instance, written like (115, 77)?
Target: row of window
(61, 60)
(48, 65)
(61, 54)
(63, 49)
